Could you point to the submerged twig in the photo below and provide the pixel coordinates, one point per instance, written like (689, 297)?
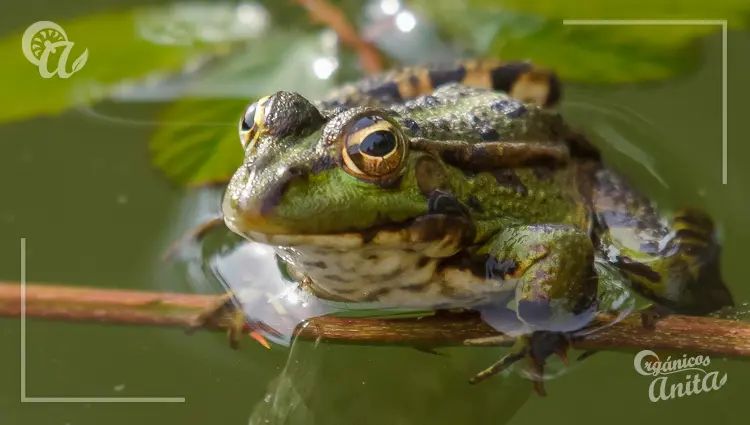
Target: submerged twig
(700, 335)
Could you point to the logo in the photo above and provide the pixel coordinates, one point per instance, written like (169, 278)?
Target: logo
(691, 377)
(46, 41)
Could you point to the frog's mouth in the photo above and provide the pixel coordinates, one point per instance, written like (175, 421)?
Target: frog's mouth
(435, 235)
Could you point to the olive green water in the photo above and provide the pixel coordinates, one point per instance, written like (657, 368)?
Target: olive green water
(94, 213)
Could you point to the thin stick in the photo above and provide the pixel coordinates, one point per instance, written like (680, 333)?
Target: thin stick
(329, 14)
(700, 335)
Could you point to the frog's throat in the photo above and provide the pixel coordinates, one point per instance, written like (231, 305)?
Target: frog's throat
(435, 235)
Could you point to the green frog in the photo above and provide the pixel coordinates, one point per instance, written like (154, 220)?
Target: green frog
(460, 186)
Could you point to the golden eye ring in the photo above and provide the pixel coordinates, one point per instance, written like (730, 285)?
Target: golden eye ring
(373, 148)
(252, 121)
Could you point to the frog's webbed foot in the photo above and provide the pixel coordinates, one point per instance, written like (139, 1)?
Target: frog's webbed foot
(226, 313)
(554, 296)
(536, 347)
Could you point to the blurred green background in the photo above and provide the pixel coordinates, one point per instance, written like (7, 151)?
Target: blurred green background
(102, 171)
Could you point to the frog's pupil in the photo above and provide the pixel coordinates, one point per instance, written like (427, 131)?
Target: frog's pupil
(378, 143)
(249, 118)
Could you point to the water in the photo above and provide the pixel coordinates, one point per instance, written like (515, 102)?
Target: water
(95, 213)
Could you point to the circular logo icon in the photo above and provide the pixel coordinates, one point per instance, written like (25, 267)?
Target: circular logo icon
(43, 39)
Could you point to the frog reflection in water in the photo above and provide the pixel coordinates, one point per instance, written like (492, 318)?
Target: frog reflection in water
(460, 187)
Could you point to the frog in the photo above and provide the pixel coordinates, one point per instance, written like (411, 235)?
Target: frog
(460, 186)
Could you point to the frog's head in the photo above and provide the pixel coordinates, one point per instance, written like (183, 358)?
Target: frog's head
(344, 180)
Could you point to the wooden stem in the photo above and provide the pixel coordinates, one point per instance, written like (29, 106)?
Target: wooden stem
(699, 335)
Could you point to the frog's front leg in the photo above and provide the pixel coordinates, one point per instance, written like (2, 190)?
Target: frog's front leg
(555, 291)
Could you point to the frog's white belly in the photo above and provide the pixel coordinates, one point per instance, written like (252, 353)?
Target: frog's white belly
(395, 277)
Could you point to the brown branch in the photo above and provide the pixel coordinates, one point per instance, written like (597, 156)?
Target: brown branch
(700, 335)
(325, 12)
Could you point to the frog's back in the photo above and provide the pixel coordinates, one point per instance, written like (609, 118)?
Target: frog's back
(520, 80)
(500, 116)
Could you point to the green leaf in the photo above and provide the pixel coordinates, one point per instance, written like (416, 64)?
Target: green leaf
(111, 47)
(735, 12)
(198, 142)
(520, 30)
(586, 55)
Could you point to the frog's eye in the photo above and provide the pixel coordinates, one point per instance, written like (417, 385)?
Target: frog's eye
(252, 121)
(373, 148)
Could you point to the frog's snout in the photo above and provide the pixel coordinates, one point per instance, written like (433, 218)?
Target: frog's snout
(250, 203)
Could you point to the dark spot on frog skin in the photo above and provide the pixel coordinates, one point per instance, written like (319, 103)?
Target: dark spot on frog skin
(386, 91)
(509, 107)
(634, 267)
(323, 163)
(694, 219)
(505, 76)
(504, 105)
(316, 264)
(334, 278)
(443, 125)
(438, 77)
(499, 269)
(430, 101)
(473, 203)
(368, 235)
(508, 178)
(690, 234)
(518, 112)
(544, 174)
(480, 154)
(417, 288)
(346, 291)
(438, 226)
(430, 175)
(440, 202)
(682, 243)
(411, 125)
(489, 134)
(275, 193)
(484, 266)
(423, 262)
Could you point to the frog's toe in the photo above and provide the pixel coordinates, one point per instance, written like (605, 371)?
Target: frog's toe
(652, 314)
(192, 236)
(536, 347)
(225, 313)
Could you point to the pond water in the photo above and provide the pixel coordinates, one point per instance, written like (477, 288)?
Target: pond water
(94, 212)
